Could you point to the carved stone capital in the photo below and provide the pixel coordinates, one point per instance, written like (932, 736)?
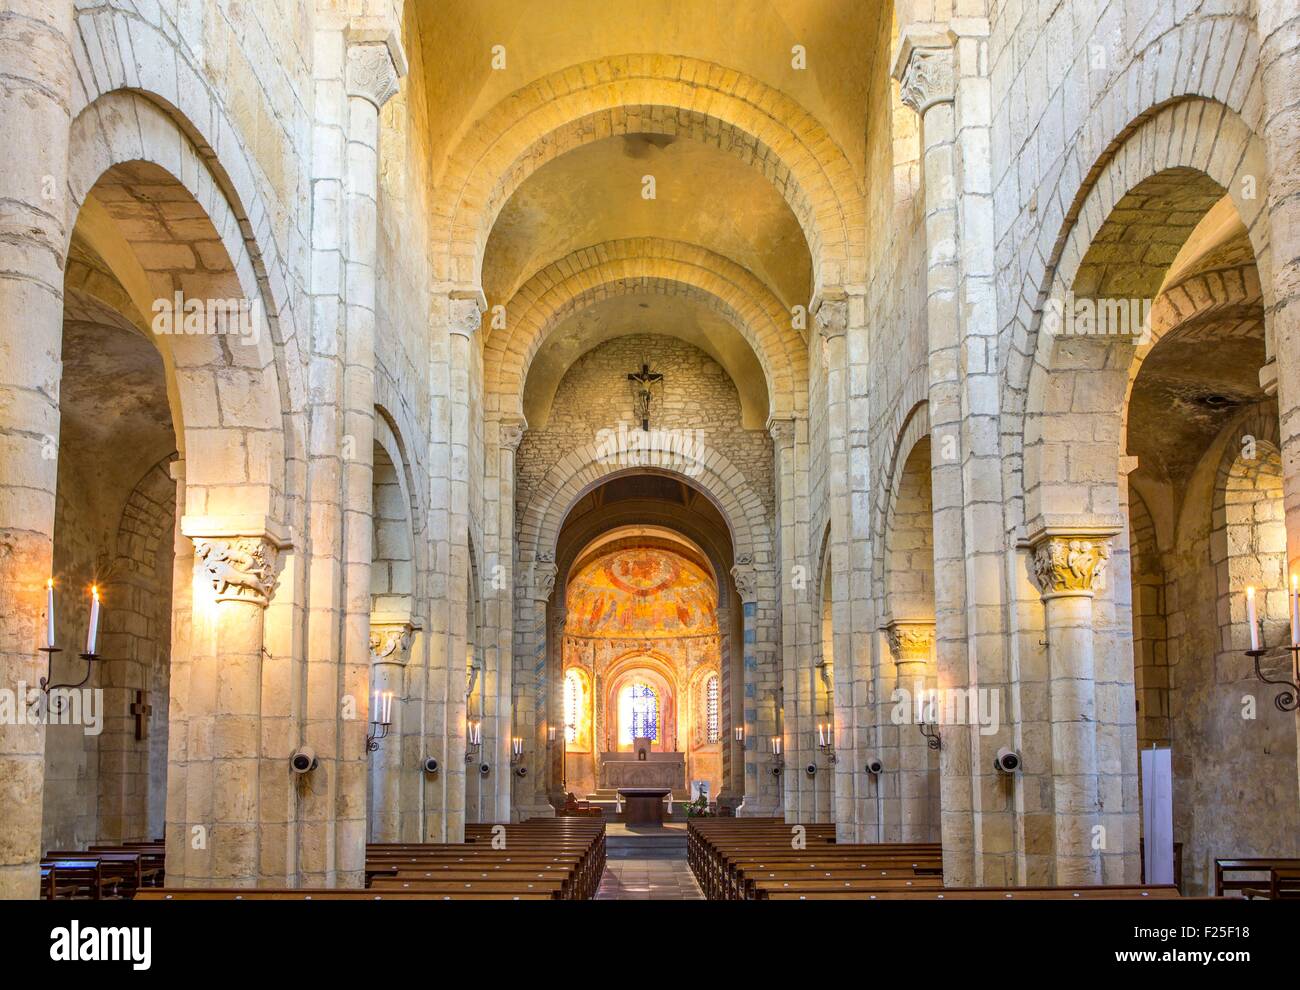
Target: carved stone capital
(464, 316)
(372, 73)
(241, 569)
(543, 584)
(746, 582)
(910, 642)
(924, 68)
(833, 318)
(390, 641)
(1070, 564)
(782, 431)
(512, 433)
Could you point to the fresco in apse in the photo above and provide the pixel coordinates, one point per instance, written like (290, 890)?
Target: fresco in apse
(642, 592)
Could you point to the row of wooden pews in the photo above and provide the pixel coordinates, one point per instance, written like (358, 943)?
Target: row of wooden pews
(764, 859)
(1267, 878)
(102, 872)
(536, 860)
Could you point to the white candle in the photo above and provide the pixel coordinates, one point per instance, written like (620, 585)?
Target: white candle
(1295, 610)
(1251, 620)
(93, 635)
(49, 612)
(388, 708)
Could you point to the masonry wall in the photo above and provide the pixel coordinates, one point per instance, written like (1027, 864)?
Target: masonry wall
(697, 395)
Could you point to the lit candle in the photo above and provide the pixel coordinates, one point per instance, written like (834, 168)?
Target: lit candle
(93, 635)
(388, 708)
(374, 707)
(49, 612)
(1251, 619)
(1295, 610)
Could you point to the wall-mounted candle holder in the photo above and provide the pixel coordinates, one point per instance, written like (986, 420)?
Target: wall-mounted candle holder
(473, 741)
(826, 741)
(382, 722)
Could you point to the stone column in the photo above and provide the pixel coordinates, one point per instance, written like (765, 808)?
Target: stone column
(226, 800)
(1279, 64)
(911, 644)
(390, 641)
(762, 721)
(530, 790)
(35, 113)
(797, 671)
(832, 318)
(1069, 568)
(555, 660)
(375, 64)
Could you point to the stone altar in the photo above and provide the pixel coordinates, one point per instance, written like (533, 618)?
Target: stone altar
(655, 770)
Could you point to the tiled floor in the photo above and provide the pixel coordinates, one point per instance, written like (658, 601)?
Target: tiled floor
(648, 880)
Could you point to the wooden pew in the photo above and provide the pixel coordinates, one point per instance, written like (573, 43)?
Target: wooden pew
(324, 894)
(1084, 893)
(81, 877)
(1228, 874)
(128, 867)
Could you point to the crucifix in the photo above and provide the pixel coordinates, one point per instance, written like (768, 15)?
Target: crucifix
(141, 709)
(642, 380)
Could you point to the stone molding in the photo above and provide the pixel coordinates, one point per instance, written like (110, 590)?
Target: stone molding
(1070, 563)
(910, 641)
(781, 430)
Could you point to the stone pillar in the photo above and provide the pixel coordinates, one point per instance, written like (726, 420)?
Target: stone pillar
(832, 318)
(798, 675)
(375, 64)
(390, 641)
(35, 114)
(1069, 568)
(555, 709)
(530, 791)
(226, 822)
(1279, 61)
(911, 644)
(762, 717)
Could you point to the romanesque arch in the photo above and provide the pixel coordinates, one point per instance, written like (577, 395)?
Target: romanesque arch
(641, 94)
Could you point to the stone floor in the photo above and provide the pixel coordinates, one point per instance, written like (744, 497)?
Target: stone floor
(658, 879)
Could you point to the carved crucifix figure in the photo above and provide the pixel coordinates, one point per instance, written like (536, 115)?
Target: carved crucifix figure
(141, 709)
(642, 380)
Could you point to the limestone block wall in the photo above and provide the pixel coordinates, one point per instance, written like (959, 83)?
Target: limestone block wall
(697, 395)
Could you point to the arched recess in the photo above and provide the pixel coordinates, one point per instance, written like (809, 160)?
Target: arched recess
(1193, 150)
(648, 266)
(630, 94)
(147, 203)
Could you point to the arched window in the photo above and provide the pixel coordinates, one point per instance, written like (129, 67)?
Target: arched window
(572, 705)
(638, 713)
(645, 712)
(711, 707)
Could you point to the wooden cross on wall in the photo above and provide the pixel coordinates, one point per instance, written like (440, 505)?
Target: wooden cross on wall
(141, 709)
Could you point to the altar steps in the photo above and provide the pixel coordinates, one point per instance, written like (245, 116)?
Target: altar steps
(645, 842)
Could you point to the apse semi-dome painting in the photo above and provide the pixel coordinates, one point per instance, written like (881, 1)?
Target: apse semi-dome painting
(642, 592)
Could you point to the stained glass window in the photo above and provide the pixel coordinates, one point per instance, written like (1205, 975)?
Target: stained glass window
(572, 699)
(711, 707)
(645, 712)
